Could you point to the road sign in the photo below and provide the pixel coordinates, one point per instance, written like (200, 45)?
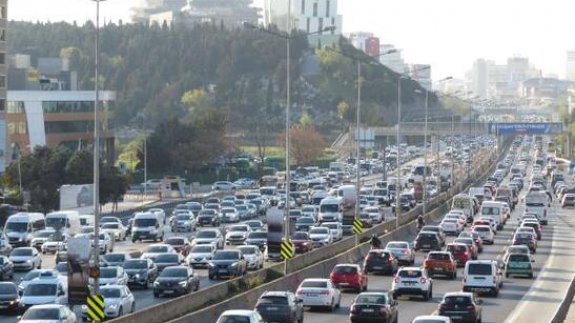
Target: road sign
(95, 305)
(526, 128)
(287, 250)
(357, 226)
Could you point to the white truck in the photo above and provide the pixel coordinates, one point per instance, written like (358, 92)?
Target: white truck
(537, 202)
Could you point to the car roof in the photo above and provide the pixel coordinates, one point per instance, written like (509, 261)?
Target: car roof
(275, 293)
(238, 312)
(315, 280)
(451, 294)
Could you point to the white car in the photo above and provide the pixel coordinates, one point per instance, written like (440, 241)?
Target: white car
(431, 319)
(223, 186)
(320, 236)
(26, 258)
(237, 234)
(42, 236)
(48, 313)
(402, 251)
(200, 255)
(52, 246)
(156, 249)
(109, 219)
(230, 214)
(451, 226)
(319, 292)
(460, 217)
(310, 210)
(114, 275)
(253, 256)
(244, 316)
(209, 236)
(44, 291)
(116, 230)
(105, 242)
(335, 228)
(485, 232)
(374, 213)
(412, 281)
(35, 273)
(118, 300)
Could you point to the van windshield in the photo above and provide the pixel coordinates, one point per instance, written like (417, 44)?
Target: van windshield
(479, 269)
(16, 227)
(490, 211)
(40, 290)
(56, 222)
(461, 203)
(145, 222)
(331, 208)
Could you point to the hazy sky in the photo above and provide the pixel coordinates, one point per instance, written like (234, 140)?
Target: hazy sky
(448, 34)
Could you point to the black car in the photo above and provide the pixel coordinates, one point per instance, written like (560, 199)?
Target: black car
(380, 261)
(427, 241)
(460, 307)
(208, 217)
(176, 280)
(9, 297)
(280, 307)
(6, 268)
(140, 272)
(116, 258)
(166, 260)
(374, 307)
(227, 263)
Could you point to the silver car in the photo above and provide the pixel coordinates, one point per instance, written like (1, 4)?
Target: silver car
(26, 258)
(114, 275)
(209, 236)
(201, 255)
(118, 300)
(402, 251)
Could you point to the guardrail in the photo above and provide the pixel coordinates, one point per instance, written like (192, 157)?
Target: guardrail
(201, 307)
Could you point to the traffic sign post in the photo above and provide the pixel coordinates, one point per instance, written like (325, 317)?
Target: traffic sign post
(95, 304)
(357, 226)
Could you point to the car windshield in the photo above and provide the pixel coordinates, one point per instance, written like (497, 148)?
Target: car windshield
(40, 290)
(16, 227)
(319, 231)
(157, 249)
(305, 220)
(482, 228)
(276, 300)
(206, 234)
(145, 222)
(479, 269)
(459, 300)
(110, 226)
(345, 270)
(239, 228)
(202, 249)
(110, 292)
(209, 212)
(176, 241)
(258, 235)
(248, 251)
(410, 273)
(8, 289)
(108, 272)
(379, 255)
(300, 236)
(227, 255)
(329, 208)
(314, 284)
(460, 203)
(22, 252)
(174, 272)
(42, 314)
(136, 264)
(167, 258)
(45, 234)
(183, 217)
(371, 299)
(519, 257)
(116, 257)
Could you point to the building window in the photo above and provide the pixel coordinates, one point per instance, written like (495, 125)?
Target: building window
(3, 14)
(307, 24)
(333, 25)
(2, 81)
(3, 35)
(320, 26)
(67, 106)
(15, 107)
(68, 126)
(327, 8)
(2, 105)
(17, 127)
(2, 58)
(315, 9)
(303, 7)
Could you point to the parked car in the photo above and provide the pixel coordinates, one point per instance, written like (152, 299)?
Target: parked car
(280, 306)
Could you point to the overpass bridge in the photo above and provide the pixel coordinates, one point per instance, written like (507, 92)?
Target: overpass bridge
(441, 128)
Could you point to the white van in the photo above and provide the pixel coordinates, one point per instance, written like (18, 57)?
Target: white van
(147, 225)
(537, 203)
(482, 276)
(44, 290)
(20, 227)
(494, 210)
(160, 213)
(331, 209)
(87, 220)
(464, 203)
(70, 220)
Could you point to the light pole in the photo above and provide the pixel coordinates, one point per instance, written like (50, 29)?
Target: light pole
(17, 156)
(96, 243)
(145, 160)
(288, 39)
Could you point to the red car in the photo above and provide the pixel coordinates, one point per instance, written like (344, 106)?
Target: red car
(349, 276)
(302, 242)
(460, 252)
(180, 244)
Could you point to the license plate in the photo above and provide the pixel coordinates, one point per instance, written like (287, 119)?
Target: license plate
(222, 271)
(343, 284)
(438, 269)
(272, 308)
(368, 310)
(168, 291)
(457, 317)
(426, 246)
(377, 267)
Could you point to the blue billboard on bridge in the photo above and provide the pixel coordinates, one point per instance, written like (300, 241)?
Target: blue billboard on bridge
(526, 128)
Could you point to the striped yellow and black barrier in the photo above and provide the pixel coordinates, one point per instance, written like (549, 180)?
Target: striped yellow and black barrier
(357, 226)
(287, 250)
(96, 308)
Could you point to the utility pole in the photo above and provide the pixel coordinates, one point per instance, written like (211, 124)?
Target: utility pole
(287, 125)
(357, 146)
(96, 243)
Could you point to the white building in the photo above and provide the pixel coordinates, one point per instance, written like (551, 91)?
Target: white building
(570, 72)
(394, 61)
(359, 40)
(308, 16)
(422, 74)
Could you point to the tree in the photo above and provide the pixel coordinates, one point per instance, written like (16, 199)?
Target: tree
(307, 145)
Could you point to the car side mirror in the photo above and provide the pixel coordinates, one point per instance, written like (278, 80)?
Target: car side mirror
(19, 317)
(61, 293)
(479, 301)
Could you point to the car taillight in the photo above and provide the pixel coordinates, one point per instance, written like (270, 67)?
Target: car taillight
(422, 280)
(494, 279)
(464, 279)
(396, 279)
(299, 292)
(383, 310)
(444, 306)
(405, 252)
(471, 308)
(353, 309)
(325, 292)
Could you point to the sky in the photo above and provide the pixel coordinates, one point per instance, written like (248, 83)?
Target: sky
(448, 34)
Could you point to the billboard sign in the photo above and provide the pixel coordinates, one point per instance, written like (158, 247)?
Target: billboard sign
(512, 128)
(78, 267)
(75, 196)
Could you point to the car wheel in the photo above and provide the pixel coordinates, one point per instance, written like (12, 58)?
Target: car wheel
(133, 240)
(39, 265)
(120, 311)
(133, 307)
(156, 295)
(332, 306)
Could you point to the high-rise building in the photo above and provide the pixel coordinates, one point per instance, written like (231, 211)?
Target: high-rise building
(359, 39)
(232, 13)
(422, 74)
(3, 82)
(480, 78)
(570, 72)
(308, 16)
(394, 61)
(152, 7)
